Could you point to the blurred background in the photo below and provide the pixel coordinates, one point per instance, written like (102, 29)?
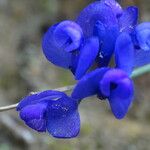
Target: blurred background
(23, 69)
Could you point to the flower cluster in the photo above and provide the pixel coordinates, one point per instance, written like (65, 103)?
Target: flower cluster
(85, 46)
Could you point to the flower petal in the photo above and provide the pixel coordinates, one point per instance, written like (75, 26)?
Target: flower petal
(142, 33)
(68, 35)
(124, 53)
(107, 50)
(111, 76)
(34, 116)
(39, 97)
(141, 57)
(57, 56)
(116, 8)
(118, 87)
(128, 20)
(96, 11)
(63, 120)
(65, 127)
(141, 37)
(88, 85)
(87, 56)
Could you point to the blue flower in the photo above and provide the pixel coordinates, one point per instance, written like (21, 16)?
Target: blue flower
(112, 84)
(124, 53)
(106, 20)
(59, 42)
(96, 11)
(133, 50)
(51, 111)
(142, 33)
(119, 89)
(99, 20)
(141, 38)
(70, 44)
(102, 29)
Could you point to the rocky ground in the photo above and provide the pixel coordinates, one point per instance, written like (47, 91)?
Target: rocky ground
(23, 68)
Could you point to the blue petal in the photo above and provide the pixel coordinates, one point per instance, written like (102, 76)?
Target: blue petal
(141, 57)
(124, 53)
(141, 38)
(64, 127)
(59, 40)
(128, 20)
(88, 85)
(39, 97)
(63, 120)
(119, 103)
(118, 87)
(68, 35)
(55, 55)
(116, 8)
(107, 50)
(94, 12)
(142, 33)
(87, 56)
(34, 116)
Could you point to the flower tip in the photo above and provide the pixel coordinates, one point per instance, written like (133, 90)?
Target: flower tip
(119, 116)
(67, 136)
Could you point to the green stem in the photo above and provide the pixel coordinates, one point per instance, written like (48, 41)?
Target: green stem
(140, 71)
(136, 73)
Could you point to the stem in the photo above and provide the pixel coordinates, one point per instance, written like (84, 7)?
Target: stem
(136, 73)
(5, 108)
(13, 106)
(140, 71)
